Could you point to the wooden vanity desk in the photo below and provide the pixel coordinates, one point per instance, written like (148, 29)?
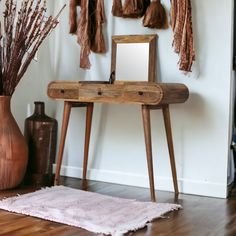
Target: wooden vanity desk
(149, 95)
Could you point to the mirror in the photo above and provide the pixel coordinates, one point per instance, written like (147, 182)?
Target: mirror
(134, 57)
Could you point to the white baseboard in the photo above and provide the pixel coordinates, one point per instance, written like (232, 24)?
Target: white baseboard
(161, 183)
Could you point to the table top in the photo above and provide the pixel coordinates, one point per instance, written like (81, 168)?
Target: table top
(149, 93)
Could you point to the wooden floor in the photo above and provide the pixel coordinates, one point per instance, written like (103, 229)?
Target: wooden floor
(200, 216)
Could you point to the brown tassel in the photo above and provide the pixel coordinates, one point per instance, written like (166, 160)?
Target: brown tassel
(146, 4)
(83, 35)
(98, 46)
(135, 8)
(98, 42)
(155, 16)
(73, 15)
(117, 9)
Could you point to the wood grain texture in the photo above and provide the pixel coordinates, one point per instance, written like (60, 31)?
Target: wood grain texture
(64, 126)
(89, 116)
(149, 93)
(13, 148)
(65, 121)
(167, 122)
(148, 143)
(200, 216)
(139, 38)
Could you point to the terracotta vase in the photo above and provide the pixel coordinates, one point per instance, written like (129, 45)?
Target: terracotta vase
(13, 148)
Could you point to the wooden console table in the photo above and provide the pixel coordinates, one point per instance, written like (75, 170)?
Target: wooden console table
(149, 95)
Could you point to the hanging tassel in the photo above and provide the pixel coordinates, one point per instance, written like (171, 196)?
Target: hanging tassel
(73, 15)
(155, 16)
(135, 8)
(83, 35)
(98, 46)
(146, 4)
(98, 42)
(117, 9)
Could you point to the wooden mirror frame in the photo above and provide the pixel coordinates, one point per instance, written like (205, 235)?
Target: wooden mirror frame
(149, 38)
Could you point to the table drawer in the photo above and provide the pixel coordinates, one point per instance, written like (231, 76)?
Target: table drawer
(142, 96)
(119, 94)
(64, 94)
(99, 94)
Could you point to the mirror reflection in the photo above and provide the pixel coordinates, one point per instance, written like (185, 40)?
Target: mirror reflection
(132, 61)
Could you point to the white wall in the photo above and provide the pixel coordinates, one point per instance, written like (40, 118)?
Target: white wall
(200, 126)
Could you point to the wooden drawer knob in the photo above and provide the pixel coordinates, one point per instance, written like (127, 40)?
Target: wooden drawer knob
(140, 93)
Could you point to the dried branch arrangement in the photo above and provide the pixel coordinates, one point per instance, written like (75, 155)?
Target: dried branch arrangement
(21, 34)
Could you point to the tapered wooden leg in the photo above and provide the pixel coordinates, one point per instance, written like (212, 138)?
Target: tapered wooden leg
(65, 121)
(148, 142)
(166, 115)
(89, 116)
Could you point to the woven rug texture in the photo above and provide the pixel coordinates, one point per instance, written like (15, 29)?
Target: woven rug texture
(92, 211)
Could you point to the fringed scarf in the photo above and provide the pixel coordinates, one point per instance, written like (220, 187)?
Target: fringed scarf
(181, 22)
(97, 40)
(73, 15)
(89, 29)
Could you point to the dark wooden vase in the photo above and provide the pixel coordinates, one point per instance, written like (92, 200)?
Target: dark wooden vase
(41, 136)
(13, 148)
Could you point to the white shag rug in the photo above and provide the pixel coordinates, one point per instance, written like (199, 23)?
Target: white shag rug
(91, 211)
